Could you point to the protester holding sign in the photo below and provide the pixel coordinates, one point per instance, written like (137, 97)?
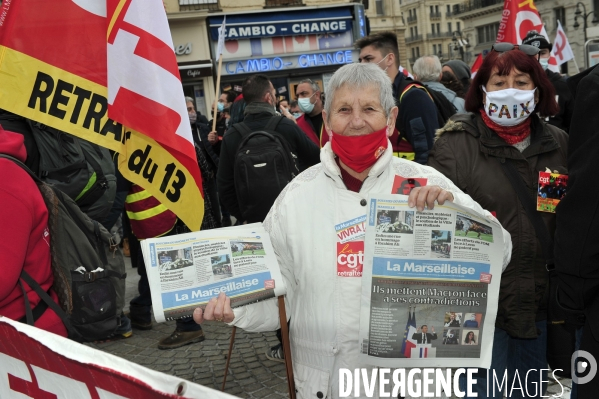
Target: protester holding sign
(503, 136)
(321, 270)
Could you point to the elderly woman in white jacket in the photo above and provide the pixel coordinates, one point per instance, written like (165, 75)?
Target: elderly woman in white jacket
(324, 305)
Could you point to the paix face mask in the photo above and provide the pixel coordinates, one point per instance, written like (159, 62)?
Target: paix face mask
(509, 107)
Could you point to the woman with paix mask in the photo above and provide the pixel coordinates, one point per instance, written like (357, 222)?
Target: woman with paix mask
(502, 136)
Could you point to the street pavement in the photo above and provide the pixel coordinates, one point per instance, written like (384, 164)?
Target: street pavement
(251, 374)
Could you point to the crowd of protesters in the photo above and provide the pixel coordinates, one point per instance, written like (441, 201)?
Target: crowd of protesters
(373, 124)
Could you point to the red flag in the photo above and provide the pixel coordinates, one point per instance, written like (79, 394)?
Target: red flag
(477, 63)
(405, 72)
(55, 68)
(519, 18)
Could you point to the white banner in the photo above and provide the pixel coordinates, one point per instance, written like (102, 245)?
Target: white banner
(35, 363)
(221, 38)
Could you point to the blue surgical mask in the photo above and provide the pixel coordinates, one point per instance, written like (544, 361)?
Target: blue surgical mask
(305, 104)
(544, 63)
(220, 106)
(297, 114)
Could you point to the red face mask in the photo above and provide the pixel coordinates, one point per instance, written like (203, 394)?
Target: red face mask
(360, 152)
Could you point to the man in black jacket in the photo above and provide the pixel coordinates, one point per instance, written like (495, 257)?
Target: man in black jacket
(577, 221)
(260, 96)
(417, 118)
(563, 94)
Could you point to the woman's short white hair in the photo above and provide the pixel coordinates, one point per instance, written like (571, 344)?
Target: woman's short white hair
(358, 76)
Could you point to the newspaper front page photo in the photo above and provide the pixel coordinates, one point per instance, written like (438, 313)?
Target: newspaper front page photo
(430, 285)
(187, 270)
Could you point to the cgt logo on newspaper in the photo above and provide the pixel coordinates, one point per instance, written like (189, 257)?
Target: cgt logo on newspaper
(350, 259)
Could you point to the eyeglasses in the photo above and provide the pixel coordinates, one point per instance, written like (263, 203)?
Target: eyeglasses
(525, 48)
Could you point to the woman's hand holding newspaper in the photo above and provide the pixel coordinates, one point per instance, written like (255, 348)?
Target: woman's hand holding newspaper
(218, 309)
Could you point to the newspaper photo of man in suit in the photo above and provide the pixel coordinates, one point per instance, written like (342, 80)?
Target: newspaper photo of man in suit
(424, 337)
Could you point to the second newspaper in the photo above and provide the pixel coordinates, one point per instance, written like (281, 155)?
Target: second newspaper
(185, 271)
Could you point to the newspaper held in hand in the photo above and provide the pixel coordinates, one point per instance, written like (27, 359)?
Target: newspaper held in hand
(185, 271)
(430, 285)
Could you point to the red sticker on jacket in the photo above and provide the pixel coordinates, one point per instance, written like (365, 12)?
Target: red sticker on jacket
(403, 185)
(269, 284)
(350, 259)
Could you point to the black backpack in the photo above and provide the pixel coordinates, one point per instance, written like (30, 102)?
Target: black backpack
(264, 164)
(445, 108)
(82, 170)
(89, 272)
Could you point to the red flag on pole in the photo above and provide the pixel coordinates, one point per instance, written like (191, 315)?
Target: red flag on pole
(108, 74)
(477, 63)
(519, 18)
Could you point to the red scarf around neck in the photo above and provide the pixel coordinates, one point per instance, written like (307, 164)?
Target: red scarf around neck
(510, 134)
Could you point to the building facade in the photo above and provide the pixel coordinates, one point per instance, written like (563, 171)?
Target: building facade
(288, 40)
(192, 48)
(432, 28)
(287, 44)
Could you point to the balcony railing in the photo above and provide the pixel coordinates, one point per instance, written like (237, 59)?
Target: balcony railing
(196, 5)
(415, 38)
(474, 5)
(438, 35)
(282, 3)
(412, 19)
(435, 15)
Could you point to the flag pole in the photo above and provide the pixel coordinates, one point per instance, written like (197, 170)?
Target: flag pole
(219, 52)
(576, 65)
(220, 63)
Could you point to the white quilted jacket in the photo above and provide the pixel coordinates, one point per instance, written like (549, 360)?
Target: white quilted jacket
(323, 307)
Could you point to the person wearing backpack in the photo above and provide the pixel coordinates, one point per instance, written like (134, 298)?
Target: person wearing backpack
(87, 176)
(249, 200)
(26, 244)
(417, 119)
(81, 169)
(427, 69)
